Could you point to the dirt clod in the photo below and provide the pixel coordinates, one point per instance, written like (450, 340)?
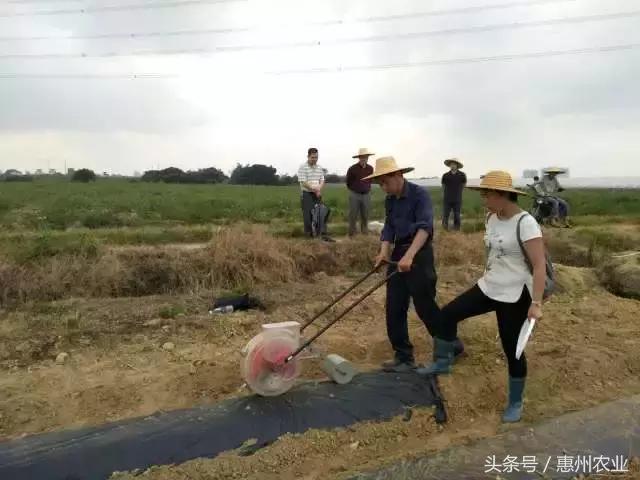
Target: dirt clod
(62, 358)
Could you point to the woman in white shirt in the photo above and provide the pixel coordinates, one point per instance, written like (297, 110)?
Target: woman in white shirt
(507, 287)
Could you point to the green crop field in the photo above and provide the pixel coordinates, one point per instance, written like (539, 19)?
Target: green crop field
(111, 204)
(47, 218)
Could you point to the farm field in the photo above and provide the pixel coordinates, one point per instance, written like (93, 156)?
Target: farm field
(111, 272)
(57, 205)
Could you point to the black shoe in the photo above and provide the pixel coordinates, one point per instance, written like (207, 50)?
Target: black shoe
(397, 366)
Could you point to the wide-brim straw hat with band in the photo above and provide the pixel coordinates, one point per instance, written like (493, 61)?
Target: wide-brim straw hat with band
(449, 161)
(554, 170)
(499, 181)
(363, 152)
(387, 166)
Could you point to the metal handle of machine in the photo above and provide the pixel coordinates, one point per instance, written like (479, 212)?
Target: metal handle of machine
(347, 310)
(344, 294)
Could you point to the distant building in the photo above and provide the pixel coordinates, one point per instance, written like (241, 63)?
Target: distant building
(52, 171)
(137, 174)
(39, 171)
(530, 173)
(71, 171)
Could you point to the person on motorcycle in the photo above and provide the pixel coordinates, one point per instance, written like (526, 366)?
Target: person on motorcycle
(544, 205)
(551, 187)
(538, 187)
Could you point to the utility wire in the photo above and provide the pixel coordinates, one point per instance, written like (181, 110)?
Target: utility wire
(340, 69)
(458, 61)
(437, 13)
(117, 8)
(330, 42)
(99, 36)
(87, 76)
(355, 21)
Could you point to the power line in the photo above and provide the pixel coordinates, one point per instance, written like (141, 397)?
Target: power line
(117, 8)
(40, 1)
(355, 21)
(320, 43)
(345, 69)
(175, 33)
(437, 13)
(458, 61)
(87, 76)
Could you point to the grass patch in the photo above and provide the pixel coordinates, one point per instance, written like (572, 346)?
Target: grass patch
(238, 259)
(621, 276)
(609, 239)
(36, 247)
(113, 203)
(171, 312)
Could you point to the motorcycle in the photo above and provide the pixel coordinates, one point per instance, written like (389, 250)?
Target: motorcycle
(542, 208)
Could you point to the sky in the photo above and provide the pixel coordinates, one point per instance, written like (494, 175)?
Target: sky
(258, 96)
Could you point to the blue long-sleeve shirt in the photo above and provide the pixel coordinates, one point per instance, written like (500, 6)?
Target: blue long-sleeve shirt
(406, 214)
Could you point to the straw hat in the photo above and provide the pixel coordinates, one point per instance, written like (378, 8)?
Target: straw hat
(554, 170)
(497, 180)
(385, 166)
(363, 152)
(449, 161)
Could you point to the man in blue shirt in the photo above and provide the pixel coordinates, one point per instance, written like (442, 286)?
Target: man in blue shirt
(407, 239)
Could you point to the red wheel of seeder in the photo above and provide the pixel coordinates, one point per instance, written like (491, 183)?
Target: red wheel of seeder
(264, 368)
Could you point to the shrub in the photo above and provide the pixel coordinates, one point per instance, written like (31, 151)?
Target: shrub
(84, 175)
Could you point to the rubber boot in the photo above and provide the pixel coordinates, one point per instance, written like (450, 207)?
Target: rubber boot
(458, 349)
(513, 413)
(444, 359)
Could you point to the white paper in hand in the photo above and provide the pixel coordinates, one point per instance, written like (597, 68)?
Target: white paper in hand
(525, 333)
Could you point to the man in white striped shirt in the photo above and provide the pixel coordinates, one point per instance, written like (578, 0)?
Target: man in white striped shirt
(311, 178)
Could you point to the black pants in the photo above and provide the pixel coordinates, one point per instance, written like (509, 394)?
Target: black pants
(308, 201)
(449, 207)
(511, 317)
(418, 284)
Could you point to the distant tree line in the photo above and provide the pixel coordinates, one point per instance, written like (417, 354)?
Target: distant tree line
(13, 175)
(175, 175)
(256, 174)
(335, 178)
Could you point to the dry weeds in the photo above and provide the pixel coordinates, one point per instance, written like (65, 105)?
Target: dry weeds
(238, 259)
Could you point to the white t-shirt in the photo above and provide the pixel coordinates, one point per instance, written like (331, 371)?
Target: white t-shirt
(506, 272)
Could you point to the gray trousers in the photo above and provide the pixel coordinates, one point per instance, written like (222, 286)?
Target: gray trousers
(359, 204)
(308, 201)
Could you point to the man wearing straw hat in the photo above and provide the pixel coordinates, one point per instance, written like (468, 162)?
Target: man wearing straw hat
(512, 286)
(552, 187)
(453, 182)
(406, 239)
(359, 191)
